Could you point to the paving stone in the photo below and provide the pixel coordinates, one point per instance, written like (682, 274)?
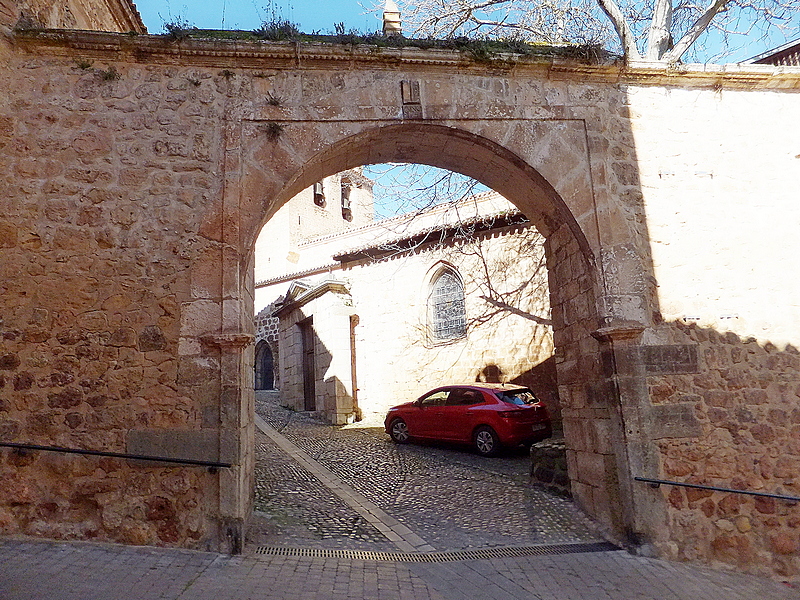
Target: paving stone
(450, 497)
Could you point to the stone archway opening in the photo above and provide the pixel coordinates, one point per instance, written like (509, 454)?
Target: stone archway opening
(573, 278)
(411, 229)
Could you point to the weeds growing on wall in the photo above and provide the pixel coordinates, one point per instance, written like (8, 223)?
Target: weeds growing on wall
(179, 28)
(110, 74)
(279, 29)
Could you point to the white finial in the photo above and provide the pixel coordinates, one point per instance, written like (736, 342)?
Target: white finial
(391, 19)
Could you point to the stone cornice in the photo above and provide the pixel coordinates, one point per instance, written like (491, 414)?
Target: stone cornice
(228, 340)
(240, 54)
(619, 331)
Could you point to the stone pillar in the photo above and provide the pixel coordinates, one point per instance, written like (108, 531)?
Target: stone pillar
(236, 433)
(641, 508)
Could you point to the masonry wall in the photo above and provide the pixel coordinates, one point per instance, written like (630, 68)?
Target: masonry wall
(302, 219)
(104, 183)
(719, 171)
(116, 286)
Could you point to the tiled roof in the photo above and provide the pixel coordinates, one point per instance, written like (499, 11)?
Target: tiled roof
(787, 55)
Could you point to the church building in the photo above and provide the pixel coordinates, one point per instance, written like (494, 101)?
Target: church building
(363, 314)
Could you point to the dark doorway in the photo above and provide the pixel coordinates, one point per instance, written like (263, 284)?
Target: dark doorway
(309, 367)
(265, 367)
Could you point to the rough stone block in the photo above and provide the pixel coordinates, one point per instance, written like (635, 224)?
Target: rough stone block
(675, 421)
(200, 444)
(592, 468)
(669, 359)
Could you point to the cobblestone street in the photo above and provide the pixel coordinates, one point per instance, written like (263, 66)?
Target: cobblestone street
(449, 496)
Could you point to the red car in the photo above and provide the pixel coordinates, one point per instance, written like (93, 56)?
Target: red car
(487, 415)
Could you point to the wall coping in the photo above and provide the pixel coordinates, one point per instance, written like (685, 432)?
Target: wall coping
(162, 49)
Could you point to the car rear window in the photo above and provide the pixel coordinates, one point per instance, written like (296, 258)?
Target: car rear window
(518, 397)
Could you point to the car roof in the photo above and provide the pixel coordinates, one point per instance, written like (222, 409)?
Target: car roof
(488, 386)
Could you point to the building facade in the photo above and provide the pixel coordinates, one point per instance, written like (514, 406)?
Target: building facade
(387, 310)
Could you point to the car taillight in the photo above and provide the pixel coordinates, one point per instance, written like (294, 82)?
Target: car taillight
(512, 414)
(536, 410)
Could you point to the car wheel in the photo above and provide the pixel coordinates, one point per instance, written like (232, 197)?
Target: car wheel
(486, 441)
(398, 431)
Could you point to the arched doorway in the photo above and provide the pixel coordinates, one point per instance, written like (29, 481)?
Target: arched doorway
(575, 278)
(264, 367)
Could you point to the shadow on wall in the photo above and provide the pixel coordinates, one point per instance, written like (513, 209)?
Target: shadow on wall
(542, 379)
(728, 415)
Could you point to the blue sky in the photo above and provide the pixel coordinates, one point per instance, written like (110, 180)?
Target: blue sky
(311, 15)
(321, 15)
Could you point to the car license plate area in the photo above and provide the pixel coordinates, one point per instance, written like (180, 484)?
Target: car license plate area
(539, 427)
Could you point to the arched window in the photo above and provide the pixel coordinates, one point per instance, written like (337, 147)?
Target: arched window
(265, 367)
(447, 315)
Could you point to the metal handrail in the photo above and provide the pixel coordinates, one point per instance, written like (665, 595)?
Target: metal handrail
(657, 482)
(179, 461)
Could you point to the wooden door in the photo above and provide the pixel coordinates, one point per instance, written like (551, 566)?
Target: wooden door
(309, 365)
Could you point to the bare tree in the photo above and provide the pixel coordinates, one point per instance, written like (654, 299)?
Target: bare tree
(461, 233)
(403, 188)
(653, 30)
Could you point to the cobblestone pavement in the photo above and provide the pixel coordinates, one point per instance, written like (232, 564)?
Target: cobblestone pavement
(449, 496)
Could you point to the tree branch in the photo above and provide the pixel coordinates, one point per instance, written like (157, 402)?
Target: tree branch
(624, 32)
(699, 26)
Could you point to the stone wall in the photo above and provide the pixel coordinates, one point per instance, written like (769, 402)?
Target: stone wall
(104, 181)
(738, 422)
(136, 174)
(586, 415)
(267, 325)
(718, 172)
(300, 221)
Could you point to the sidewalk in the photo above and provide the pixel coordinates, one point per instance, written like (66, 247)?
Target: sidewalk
(80, 571)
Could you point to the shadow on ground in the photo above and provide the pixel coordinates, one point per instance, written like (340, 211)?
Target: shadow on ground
(451, 497)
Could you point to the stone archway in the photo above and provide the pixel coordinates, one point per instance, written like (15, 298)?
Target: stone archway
(598, 455)
(163, 213)
(132, 203)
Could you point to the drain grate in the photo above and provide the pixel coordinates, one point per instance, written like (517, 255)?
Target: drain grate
(436, 557)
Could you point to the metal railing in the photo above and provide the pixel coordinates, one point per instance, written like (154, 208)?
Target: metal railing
(211, 465)
(659, 482)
